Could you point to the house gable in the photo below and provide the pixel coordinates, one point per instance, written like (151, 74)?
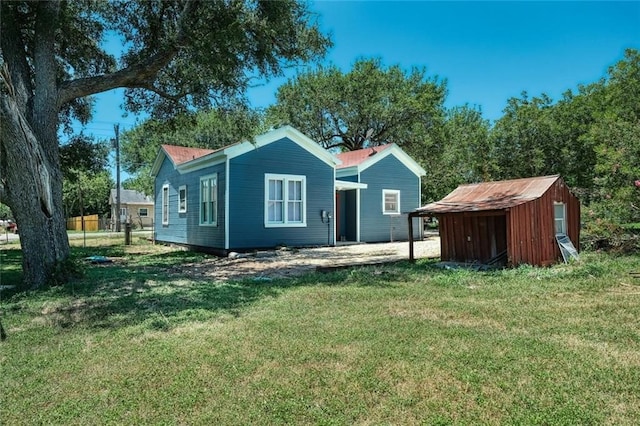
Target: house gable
(355, 162)
(388, 175)
(249, 172)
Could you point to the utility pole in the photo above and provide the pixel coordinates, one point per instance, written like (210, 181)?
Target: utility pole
(116, 128)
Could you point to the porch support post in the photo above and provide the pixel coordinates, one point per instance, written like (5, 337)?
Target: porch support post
(410, 216)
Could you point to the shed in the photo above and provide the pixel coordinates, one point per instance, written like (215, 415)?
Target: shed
(509, 222)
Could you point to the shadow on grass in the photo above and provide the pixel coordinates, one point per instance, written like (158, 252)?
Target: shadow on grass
(11, 267)
(152, 299)
(142, 292)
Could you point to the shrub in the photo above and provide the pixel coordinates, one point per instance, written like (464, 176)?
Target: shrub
(601, 234)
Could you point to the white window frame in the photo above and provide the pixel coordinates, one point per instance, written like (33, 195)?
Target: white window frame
(563, 219)
(146, 212)
(286, 221)
(395, 192)
(182, 202)
(209, 205)
(165, 204)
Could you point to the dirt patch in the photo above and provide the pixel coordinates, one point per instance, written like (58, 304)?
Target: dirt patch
(265, 265)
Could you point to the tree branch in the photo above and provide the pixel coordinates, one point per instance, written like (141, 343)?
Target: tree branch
(150, 87)
(136, 75)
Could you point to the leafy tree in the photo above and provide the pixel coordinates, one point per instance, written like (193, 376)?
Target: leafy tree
(523, 139)
(615, 134)
(178, 55)
(81, 153)
(5, 212)
(86, 179)
(465, 155)
(88, 193)
(591, 137)
(213, 128)
(370, 105)
(571, 118)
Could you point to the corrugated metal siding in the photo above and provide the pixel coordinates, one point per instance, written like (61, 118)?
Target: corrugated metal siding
(184, 228)
(532, 227)
(388, 173)
(246, 208)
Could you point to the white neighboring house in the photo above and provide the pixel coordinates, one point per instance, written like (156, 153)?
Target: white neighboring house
(135, 208)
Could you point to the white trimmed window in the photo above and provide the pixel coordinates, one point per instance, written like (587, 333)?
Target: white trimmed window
(285, 200)
(143, 212)
(165, 204)
(390, 201)
(182, 199)
(559, 214)
(209, 200)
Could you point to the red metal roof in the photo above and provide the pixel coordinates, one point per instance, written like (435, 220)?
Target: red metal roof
(353, 158)
(496, 195)
(182, 154)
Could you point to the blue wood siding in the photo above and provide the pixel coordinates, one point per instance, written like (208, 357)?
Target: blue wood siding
(247, 196)
(350, 178)
(184, 228)
(388, 173)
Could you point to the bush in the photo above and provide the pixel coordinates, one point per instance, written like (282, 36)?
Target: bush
(600, 234)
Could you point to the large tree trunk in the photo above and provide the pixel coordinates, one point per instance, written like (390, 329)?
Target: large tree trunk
(31, 180)
(33, 189)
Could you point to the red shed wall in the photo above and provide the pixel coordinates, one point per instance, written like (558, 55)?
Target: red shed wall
(531, 227)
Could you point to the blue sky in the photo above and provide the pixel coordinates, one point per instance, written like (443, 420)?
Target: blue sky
(486, 51)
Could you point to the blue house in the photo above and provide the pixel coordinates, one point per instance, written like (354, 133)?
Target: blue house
(375, 189)
(280, 189)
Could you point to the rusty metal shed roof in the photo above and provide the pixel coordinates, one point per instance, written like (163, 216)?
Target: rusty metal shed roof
(496, 195)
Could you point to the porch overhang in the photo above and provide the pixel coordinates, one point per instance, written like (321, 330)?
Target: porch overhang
(343, 185)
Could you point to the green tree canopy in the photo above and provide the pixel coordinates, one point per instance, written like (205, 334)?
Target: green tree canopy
(212, 128)
(463, 156)
(86, 178)
(367, 106)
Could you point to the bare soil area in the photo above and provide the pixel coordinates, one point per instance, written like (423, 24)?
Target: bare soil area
(265, 265)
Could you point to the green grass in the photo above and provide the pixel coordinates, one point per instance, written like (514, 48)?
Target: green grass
(138, 342)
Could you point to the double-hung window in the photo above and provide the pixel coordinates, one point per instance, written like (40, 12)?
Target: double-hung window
(182, 199)
(390, 201)
(209, 200)
(285, 200)
(165, 204)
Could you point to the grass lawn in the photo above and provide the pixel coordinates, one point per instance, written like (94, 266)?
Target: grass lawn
(137, 342)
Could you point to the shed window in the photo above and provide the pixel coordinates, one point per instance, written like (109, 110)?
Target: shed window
(143, 212)
(165, 204)
(285, 200)
(559, 214)
(182, 199)
(209, 200)
(390, 201)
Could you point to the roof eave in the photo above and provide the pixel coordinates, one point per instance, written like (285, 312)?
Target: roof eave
(395, 150)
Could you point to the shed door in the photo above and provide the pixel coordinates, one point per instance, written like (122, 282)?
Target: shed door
(485, 238)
